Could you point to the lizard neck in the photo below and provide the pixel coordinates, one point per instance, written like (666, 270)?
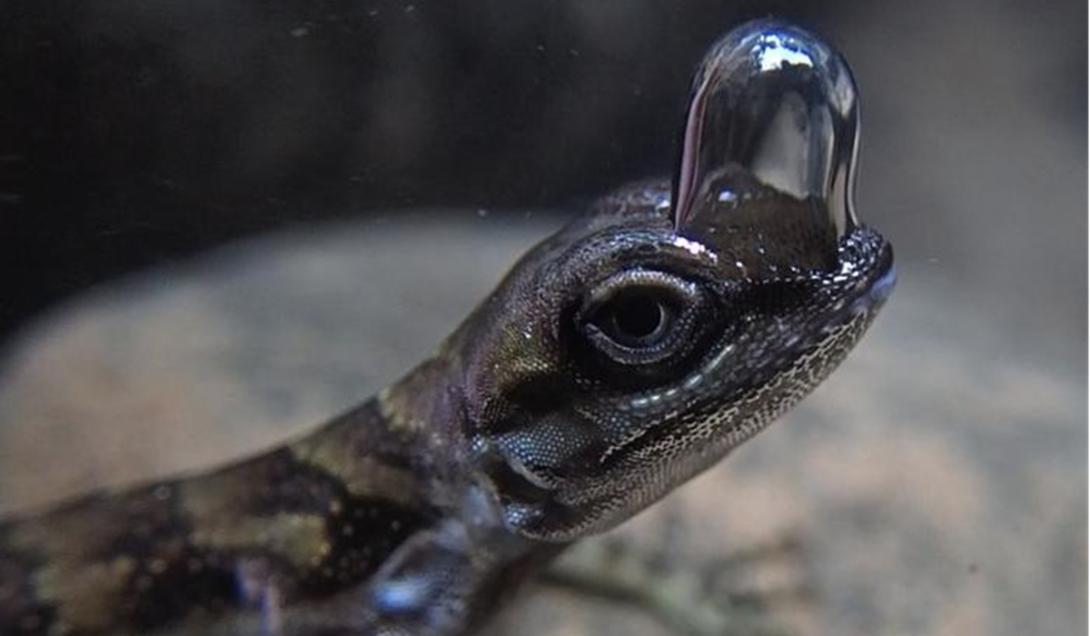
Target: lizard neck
(426, 413)
(468, 537)
(310, 520)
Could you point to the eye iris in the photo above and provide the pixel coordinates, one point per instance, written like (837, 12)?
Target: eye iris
(637, 316)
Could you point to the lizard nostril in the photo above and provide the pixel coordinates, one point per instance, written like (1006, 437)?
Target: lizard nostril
(773, 113)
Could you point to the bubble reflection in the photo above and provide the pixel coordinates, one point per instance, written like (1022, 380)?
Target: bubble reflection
(773, 114)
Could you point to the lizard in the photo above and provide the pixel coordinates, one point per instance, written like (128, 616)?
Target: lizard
(616, 360)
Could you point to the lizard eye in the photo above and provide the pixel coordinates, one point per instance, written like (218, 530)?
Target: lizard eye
(636, 317)
(641, 317)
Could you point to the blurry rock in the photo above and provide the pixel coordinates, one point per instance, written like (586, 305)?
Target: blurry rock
(934, 488)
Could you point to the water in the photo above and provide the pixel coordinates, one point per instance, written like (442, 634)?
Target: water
(936, 482)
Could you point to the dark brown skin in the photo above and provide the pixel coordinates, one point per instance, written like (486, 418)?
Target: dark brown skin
(619, 358)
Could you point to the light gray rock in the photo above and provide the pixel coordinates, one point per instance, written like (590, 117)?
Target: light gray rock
(934, 486)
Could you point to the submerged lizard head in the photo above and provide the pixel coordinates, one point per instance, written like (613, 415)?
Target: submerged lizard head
(646, 340)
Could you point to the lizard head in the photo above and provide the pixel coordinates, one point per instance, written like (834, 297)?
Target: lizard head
(651, 336)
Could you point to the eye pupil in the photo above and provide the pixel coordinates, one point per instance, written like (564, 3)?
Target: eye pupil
(636, 315)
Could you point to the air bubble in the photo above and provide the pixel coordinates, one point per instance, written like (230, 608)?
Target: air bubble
(773, 113)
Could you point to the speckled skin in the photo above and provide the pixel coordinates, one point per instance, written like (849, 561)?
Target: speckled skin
(419, 511)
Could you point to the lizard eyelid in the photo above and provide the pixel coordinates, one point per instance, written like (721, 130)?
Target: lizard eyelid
(641, 318)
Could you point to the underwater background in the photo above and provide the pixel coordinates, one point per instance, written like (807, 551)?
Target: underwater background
(223, 222)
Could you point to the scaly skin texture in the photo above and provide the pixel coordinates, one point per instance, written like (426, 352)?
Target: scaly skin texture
(617, 359)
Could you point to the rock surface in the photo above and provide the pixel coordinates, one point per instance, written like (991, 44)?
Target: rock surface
(933, 486)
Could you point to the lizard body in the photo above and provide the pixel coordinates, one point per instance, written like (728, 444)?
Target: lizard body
(616, 360)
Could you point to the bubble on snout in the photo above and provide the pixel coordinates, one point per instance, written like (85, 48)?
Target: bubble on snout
(771, 129)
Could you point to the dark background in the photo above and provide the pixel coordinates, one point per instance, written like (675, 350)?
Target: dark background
(137, 132)
(134, 132)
